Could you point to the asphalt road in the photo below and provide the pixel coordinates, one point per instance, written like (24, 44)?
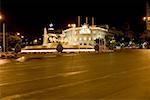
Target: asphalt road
(123, 75)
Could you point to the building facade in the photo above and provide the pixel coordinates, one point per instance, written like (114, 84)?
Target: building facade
(84, 35)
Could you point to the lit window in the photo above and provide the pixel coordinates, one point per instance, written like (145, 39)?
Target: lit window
(89, 38)
(94, 38)
(75, 39)
(80, 39)
(148, 18)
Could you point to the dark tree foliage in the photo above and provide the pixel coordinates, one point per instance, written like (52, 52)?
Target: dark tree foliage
(17, 48)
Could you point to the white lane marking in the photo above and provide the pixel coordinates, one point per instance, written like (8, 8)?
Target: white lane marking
(106, 76)
(60, 86)
(53, 88)
(29, 68)
(130, 71)
(23, 68)
(142, 68)
(74, 73)
(17, 82)
(67, 85)
(75, 67)
(48, 77)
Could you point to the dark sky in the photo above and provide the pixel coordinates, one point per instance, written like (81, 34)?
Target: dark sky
(30, 16)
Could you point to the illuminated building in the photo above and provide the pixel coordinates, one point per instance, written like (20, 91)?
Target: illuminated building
(83, 36)
(147, 17)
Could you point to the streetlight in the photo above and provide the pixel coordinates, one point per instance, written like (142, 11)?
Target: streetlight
(18, 34)
(22, 36)
(4, 37)
(146, 18)
(1, 17)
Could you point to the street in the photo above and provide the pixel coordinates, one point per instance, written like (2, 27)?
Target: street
(122, 75)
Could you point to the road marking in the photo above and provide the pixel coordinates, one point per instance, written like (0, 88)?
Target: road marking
(61, 86)
(53, 88)
(74, 73)
(65, 85)
(29, 68)
(48, 77)
(70, 55)
(106, 76)
(23, 68)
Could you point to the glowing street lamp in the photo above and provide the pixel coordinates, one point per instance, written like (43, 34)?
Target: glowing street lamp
(18, 33)
(1, 17)
(22, 37)
(146, 18)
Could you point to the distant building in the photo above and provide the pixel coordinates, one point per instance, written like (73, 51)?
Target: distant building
(81, 35)
(147, 17)
(84, 35)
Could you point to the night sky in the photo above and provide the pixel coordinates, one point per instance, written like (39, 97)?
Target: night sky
(30, 16)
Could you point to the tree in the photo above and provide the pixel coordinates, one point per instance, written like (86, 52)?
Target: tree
(145, 36)
(117, 37)
(129, 35)
(11, 40)
(118, 34)
(17, 48)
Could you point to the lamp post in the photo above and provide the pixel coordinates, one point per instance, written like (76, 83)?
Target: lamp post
(3, 28)
(147, 20)
(4, 38)
(0, 25)
(0, 17)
